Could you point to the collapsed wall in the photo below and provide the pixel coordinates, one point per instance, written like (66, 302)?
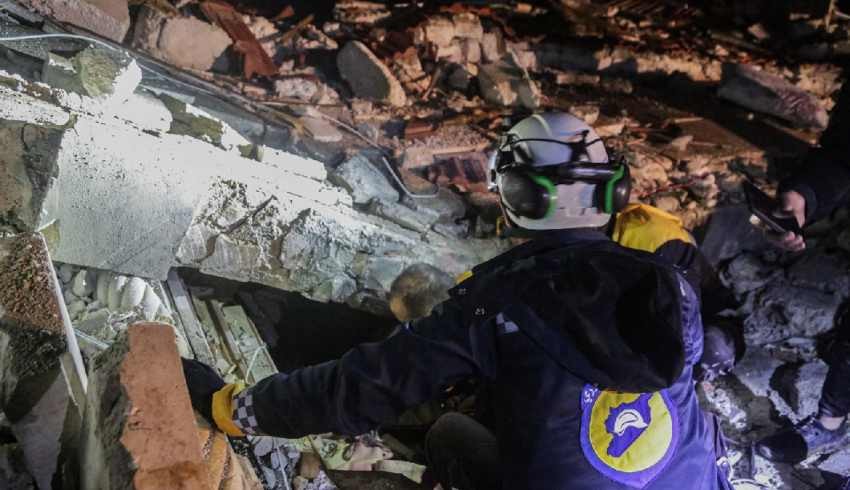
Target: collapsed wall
(138, 184)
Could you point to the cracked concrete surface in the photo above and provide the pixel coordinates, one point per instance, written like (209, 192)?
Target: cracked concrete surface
(130, 199)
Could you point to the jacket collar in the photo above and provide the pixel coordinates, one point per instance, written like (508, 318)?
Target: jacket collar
(544, 241)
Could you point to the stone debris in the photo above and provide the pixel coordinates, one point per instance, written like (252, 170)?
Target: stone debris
(94, 72)
(772, 95)
(432, 90)
(800, 388)
(108, 18)
(368, 76)
(175, 39)
(255, 59)
(505, 83)
(28, 172)
(364, 181)
(102, 304)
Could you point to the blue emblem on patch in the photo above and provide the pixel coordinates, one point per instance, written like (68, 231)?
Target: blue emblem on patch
(627, 422)
(628, 437)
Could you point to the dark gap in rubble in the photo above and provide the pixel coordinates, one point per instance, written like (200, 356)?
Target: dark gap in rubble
(289, 322)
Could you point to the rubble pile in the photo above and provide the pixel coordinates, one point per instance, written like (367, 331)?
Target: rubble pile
(423, 87)
(788, 306)
(102, 304)
(323, 152)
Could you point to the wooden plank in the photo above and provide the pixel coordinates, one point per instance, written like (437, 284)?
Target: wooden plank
(228, 339)
(225, 362)
(192, 328)
(259, 362)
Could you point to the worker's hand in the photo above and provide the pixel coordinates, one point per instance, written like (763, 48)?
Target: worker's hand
(794, 204)
(202, 381)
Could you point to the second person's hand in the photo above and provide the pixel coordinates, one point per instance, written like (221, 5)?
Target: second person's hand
(794, 204)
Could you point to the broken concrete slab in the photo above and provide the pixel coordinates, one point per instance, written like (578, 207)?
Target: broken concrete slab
(175, 39)
(139, 430)
(28, 170)
(359, 176)
(405, 217)
(105, 179)
(105, 75)
(771, 94)
(109, 18)
(506, 83)
(368, 76)
(170, 210)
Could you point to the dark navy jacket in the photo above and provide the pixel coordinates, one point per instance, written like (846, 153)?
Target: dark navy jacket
(588, 348)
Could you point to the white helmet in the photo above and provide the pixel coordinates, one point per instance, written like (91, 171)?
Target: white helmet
(552, 172)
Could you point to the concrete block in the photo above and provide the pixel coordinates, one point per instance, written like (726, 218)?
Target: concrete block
(140, 213)
(367, 75)
(505, 83)
(187, 42)
(102, 74)
(111, 191)
(139, 430)
(364, 181)
(28, 170)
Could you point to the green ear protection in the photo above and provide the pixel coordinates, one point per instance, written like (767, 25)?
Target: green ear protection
(532, 195)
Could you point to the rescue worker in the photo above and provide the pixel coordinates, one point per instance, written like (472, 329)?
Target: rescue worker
(820, 186)
(589, 346)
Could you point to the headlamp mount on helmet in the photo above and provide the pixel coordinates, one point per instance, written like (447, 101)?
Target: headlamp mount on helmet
(572, 170)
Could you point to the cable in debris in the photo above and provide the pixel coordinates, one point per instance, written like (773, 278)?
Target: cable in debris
(91, 340)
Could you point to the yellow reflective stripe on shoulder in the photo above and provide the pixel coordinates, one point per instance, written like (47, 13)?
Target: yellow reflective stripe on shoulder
(647, 228)
(462, 277)
(222, 409)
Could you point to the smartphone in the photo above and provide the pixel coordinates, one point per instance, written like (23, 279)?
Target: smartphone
(767, 208)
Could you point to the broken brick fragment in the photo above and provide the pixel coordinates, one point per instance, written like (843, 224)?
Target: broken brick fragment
(108, 18)
(256, 60)
(139, 430)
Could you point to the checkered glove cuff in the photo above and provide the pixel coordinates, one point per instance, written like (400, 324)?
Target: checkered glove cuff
(243, 413)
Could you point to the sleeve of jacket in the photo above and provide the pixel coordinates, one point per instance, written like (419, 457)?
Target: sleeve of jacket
(824, 177)
(372, 383)
(824, 181)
